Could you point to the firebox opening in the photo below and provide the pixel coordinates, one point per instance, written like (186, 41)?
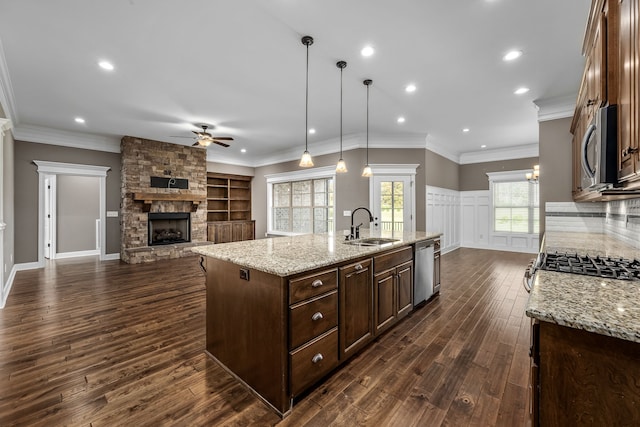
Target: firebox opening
(169, 228)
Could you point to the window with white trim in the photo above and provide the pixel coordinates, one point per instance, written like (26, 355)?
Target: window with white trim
(515, 203)
(301, 202)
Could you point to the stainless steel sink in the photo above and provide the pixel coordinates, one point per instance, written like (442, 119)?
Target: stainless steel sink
(372, 241)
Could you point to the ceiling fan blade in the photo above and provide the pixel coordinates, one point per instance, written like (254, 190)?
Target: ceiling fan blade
(176, 136)
(223, 138)
(220, 143)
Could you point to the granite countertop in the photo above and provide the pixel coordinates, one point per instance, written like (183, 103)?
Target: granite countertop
(288, 255)
(603, 306)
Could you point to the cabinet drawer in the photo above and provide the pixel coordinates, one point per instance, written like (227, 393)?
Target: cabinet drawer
(392, 259)
(313, 361)
(311, 318)
(311, 286)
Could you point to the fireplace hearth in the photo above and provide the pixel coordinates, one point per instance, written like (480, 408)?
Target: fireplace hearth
(166, 228)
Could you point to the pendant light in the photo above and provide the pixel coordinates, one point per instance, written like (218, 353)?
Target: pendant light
(367, 172)
(341, 167)
(306, 161)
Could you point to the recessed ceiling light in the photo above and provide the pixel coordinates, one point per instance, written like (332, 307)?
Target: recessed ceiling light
(511, 55)
(312, 131)
(410, 88)
(483, 146)
(367, 51)
(244, 150)
(400, 120)
(521, 90)
(106, 65)
(465, 130)
(79, 120)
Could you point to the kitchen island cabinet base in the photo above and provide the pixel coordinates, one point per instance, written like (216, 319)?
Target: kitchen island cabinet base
(586, 378)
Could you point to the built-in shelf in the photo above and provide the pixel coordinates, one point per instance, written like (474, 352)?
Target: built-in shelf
(229, 208)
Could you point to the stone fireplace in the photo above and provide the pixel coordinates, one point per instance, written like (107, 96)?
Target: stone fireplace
(144, 161)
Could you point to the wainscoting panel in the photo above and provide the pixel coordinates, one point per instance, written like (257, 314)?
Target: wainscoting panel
(475, 219)
(443, 214)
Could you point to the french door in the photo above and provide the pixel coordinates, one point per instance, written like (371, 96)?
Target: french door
(392, 202)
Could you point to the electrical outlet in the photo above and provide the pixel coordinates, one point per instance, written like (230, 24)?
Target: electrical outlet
(112, 214)
(346, 213)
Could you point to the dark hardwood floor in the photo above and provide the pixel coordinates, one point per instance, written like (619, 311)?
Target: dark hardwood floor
(111, 344)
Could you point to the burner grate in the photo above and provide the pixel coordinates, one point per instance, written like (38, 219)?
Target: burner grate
(608, 267)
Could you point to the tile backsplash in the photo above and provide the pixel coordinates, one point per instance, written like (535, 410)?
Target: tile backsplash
(619, 219)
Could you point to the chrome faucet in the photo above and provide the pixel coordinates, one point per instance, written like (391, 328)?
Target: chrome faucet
(355, 229)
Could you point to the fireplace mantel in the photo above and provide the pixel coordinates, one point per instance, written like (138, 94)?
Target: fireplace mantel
(149, 198)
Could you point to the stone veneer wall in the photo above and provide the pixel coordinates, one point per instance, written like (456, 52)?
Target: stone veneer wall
(142, 159)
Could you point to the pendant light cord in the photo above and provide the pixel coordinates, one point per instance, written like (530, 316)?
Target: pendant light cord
(367, 124)
(341, 69)
(306, 107)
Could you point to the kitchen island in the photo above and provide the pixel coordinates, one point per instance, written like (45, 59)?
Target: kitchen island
(284, 312)
(585, 364)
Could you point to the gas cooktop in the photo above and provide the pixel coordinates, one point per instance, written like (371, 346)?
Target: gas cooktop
(609, 267)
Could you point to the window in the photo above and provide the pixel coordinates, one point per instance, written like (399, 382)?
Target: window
(298, 206)
(515, 203)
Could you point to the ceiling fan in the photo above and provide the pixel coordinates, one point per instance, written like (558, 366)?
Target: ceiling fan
(204, 138)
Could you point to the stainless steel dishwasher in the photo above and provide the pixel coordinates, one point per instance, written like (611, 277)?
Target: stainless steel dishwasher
(423, 283)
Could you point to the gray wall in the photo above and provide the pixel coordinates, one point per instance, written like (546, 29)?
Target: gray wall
(441, 172)
(352, 190)
(26, 192)
(7, 189)
(473, 176)
(556, 163)
(78, 208)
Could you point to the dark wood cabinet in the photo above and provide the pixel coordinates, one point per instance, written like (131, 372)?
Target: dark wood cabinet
(393, 287)
(583, 378)
(356, 307)
(628, 110)
(313, 328)
(229, 208)
(230, 231)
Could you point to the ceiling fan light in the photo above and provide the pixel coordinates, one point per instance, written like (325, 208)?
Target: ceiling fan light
(306, 161)
(367, 172)
(341, 167)
(204, 142)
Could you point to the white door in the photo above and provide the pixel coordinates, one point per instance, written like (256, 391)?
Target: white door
(392, 202)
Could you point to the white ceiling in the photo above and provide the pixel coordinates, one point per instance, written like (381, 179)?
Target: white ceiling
(240, 66)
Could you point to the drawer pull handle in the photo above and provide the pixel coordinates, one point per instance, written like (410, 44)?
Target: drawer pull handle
(358, 267)
(317, 358)
(317, 316)
(316, 283)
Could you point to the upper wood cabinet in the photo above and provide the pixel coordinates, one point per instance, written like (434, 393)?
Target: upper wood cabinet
(612, 56)
(628, 58)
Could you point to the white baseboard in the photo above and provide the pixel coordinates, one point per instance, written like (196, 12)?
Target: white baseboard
(77, 254)
(504, 248)
(450, 249)
(8, 285)
(28, 266)
(111, 257)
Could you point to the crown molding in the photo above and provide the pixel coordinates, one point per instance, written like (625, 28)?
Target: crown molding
(6, 89)
(441, 150)
(349, 142)
(5, 125)
(558, 107)
(87, 141)
(508, 153)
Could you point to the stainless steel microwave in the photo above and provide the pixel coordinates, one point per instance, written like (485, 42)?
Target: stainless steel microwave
(599, 151)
